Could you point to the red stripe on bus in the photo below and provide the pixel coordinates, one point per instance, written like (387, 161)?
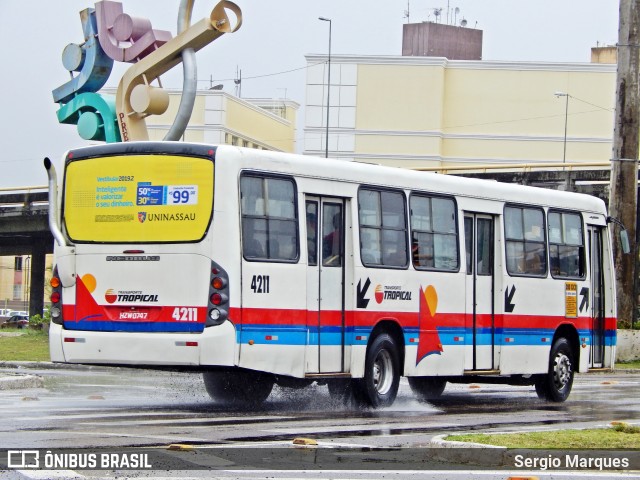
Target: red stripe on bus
(359, 318)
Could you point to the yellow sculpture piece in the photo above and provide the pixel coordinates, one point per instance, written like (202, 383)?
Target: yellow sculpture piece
(137, 99)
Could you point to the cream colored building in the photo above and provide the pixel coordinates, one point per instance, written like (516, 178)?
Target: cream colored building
(219, 117)
(12, 280)
(15, 273)
(432, 112)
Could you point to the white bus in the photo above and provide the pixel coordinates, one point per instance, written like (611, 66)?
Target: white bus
(263, 268)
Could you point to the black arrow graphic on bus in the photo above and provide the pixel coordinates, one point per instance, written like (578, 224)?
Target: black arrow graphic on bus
(584, 293)
(362, 302)
(508, 296)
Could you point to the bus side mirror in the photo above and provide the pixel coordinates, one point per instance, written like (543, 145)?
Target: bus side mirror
(624, 241)
(624, 236)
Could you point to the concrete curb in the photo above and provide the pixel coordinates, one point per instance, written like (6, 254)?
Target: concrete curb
(22, 379)
(439, 442)
(467, 452)
(18, 381)
(50, 365)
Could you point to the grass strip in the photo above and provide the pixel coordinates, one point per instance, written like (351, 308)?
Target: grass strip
(31, 345)
(619, 437)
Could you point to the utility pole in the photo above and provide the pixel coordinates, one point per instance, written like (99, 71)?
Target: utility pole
(623, 194)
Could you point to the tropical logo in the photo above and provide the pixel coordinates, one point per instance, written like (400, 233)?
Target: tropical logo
(391, 292)
(379, 293)
(110, 296)
(129, 296)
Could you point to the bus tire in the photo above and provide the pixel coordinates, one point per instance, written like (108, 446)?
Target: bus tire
(427, 388)
(555, 385)
(243, 388)
(379, 386)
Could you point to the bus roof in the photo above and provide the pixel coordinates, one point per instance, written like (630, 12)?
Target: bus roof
(394, 177)
(358, 172)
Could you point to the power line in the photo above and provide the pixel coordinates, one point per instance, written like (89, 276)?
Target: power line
(516, 120)
(263, 75)
(592, 104)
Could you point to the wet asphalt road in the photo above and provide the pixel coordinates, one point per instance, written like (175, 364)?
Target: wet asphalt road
(120, 407)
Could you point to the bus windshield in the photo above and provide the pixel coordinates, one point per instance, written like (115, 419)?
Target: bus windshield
(138, 199)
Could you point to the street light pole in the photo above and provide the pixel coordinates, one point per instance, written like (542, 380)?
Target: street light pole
(326, 150)
(566, 117)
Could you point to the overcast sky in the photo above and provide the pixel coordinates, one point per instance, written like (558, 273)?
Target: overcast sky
(274, 38)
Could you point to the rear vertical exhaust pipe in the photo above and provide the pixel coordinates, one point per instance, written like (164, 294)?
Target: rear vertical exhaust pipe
(54, 221)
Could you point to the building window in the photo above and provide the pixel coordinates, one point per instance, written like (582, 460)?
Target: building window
(383, 228)
(525, 241)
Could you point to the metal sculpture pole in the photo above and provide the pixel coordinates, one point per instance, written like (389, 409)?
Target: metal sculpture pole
(189, 80)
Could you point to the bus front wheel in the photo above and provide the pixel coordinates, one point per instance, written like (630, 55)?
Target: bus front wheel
(379, 386)
(242, 388)
(555, 385)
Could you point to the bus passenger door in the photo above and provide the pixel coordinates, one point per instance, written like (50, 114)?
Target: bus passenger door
(325, 284)
(480, 304)
(597, 296)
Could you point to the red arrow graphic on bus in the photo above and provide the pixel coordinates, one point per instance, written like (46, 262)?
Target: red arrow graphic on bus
(429, 339)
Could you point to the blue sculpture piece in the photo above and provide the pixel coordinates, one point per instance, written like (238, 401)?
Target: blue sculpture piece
(94, 114)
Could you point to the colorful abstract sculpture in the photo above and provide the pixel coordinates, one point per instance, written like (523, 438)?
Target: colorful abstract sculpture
(110, 34)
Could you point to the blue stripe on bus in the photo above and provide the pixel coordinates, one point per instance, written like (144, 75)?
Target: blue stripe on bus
(155, 327)
(332, 335)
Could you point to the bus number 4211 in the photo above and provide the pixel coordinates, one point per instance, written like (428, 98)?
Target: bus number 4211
(260, 284)
(185, 314)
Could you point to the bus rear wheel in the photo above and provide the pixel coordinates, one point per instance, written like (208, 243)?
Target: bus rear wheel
(427, 388)
(379, 386)
(243, 388)
(555, 385)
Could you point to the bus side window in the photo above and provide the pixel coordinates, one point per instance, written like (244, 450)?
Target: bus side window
(312, 232)
(525, 241)
(332, 235)
(566, 245)
(269, 218)
(434, 233)
(468, 243)
(382, 218)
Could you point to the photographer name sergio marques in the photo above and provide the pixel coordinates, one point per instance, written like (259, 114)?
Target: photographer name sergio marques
(573, 461)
